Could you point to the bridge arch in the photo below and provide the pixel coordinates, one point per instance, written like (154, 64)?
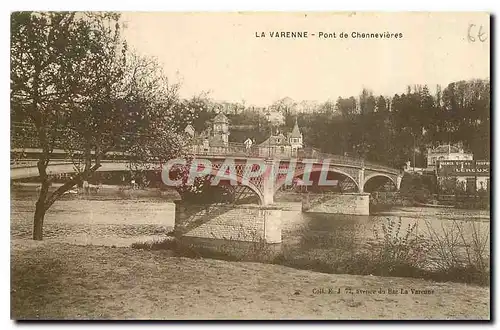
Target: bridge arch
(241, 184)
(301, 172)
(239, 179)
(381, 178)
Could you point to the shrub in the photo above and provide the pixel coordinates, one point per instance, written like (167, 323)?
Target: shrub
(460, 251)
(422, 195)
(395, 253)
(416, 187)
(400, 248)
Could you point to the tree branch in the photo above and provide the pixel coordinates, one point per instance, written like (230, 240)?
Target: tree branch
(69, 184)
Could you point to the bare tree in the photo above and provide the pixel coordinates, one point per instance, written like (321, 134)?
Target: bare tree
(72, 78)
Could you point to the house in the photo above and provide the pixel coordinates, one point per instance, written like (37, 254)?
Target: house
(457, 169)
(275, 117)
(446, 152)
(281, 145)
(468, 176)
(220, 135)
(212, 140)
(215, 140)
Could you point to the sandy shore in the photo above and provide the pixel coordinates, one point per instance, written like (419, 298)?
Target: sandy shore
(85, 269)
(63, 281)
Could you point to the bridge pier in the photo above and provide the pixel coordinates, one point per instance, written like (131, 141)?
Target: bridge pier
(267, 192)
(246, 223)
(268, 182)
(334, 203)
(361, 179)
(399, 178)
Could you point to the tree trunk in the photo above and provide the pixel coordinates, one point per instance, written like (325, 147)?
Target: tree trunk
(38, 221)
(40, 211)
(44, 200)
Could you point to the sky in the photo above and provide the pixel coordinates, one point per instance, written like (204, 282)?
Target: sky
(220, 54)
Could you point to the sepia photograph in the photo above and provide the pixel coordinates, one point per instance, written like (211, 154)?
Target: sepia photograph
(250, 165)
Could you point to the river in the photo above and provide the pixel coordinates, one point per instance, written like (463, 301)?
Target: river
(121, 222)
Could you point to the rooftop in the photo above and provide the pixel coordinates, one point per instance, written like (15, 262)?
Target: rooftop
(295, 130)
(275, 140)
(446, 148)
(221, 118)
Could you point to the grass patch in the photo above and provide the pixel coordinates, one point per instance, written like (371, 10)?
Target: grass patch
(64, 281)
(158, 244)
(230, 250)
(397, 251)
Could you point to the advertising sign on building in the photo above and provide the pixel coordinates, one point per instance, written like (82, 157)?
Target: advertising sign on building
(463, 168)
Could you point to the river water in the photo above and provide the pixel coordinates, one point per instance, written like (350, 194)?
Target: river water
(426, 221)
(318, 236)
(121, 222)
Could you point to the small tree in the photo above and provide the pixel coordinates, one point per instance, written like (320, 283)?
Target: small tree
(72, 79)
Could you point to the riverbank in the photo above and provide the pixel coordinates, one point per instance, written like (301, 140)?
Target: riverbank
(381, 201)
(27, 190)
(322, 242)
(63, 281)
(75, 224)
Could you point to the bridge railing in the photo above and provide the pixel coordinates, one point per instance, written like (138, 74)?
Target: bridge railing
(346, 160)
(338, 159)
(240, 150)
(379, 167)
(28, 162)
(232, 149)
(276, 152)
(254, 151)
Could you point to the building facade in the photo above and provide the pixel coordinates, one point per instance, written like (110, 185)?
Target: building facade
(281, 145)
(446, 152)
(463, 176)
(214, 140)
(456, 170)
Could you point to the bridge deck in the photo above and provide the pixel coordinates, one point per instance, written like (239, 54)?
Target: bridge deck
(233, 150)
